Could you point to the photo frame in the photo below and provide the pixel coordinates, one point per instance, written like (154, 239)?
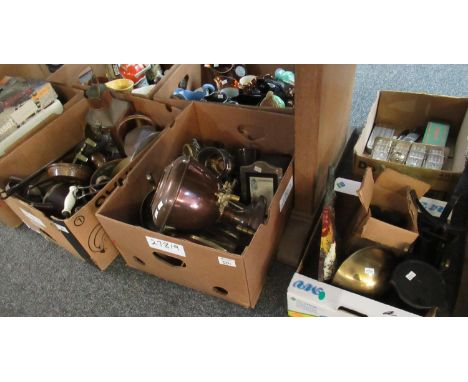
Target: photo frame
(259, 179)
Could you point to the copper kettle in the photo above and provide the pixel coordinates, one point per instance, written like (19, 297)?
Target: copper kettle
(190, 198)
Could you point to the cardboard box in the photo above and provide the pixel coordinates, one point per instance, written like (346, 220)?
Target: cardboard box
(308, 297)
(408, 111)
(8, 217)
(235, 278)
(197, 75)
(78, 76)
(35, 71)
(81, 234)
(390, 192)
(67, 95)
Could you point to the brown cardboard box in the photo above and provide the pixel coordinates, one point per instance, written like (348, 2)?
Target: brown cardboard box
(8, 217)
(36, 71)
(67, 95)
(196, 76)
(74, 74)
(35, 152)
(408, 111)
(390, 192)
(71, 74)
(81, 234)
(236, 278)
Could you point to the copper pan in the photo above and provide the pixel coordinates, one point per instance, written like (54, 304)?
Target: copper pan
(70, 172)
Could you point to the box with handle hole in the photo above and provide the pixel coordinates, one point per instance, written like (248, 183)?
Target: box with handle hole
(194, 76)
(80, 233)
(237, 278)
(81, 76)
(67, 97)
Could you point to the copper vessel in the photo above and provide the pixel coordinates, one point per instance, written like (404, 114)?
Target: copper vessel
(190, 198)
(70, 171)
(137, 139)
(126, 125)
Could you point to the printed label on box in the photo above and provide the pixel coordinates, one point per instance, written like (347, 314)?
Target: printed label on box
(347, 186)
(61, 228)
(286, 193)
(166, 246)
(225, 261)
(33, 219)
(433, 206)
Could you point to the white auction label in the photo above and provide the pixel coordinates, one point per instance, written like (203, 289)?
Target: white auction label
(226, 261)
(286, 193)
(61, 228)
(33, 218)
(166, 246)
(257, 169)
(411, 275)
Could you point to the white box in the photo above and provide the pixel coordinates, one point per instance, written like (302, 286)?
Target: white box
(309, 297)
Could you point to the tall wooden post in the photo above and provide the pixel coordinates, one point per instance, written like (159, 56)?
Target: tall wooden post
(323, 96)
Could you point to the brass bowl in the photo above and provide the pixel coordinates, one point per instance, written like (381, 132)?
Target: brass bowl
(366, 271)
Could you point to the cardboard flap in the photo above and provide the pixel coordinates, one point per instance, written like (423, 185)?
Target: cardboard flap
(366, 191)
(388, 235)
(397, 182)
(413, 211)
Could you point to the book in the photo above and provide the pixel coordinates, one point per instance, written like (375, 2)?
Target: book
(21, 99)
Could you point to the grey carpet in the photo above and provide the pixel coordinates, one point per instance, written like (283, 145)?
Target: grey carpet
(39, 279)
